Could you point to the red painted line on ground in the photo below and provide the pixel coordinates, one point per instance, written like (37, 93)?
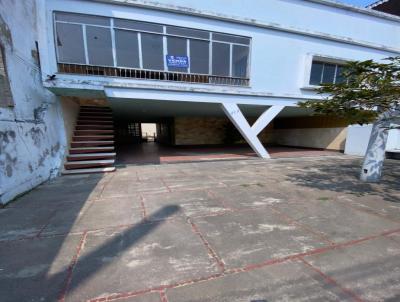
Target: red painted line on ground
(105, 185)
(124, 295)
(164, 183)
(333, 282)
(163, 296)
(71, 268)
(142, 199)
(210, 250)
(291, 220)
(244, 269)
(364, 210)
(220, 200)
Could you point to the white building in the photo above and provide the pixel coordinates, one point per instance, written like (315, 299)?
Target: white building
(179, 64)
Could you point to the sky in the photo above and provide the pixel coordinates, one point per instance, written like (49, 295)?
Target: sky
(362, 3)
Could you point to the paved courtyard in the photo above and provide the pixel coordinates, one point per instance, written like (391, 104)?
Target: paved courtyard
(250, 230)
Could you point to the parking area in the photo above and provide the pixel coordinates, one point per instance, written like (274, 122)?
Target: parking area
(251, 230)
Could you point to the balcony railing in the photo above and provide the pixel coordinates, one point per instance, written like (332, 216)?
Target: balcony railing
(150, 74)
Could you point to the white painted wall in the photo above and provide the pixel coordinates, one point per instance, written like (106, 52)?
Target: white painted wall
(358, 137)
(32, 138)
(283, 40)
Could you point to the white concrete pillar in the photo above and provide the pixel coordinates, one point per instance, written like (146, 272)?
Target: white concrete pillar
(250, 133)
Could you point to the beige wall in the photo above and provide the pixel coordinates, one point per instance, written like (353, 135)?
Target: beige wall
(70, 109)
(324, 138)
(318, 132)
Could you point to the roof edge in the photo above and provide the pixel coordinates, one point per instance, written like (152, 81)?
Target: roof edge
(362, 10)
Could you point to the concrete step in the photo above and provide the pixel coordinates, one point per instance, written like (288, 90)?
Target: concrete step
(94, 122)
(393, 154)
(95, 108)
(91, 156)
(88, 171)
(91, 144)
(95, 117)
(86, 150)
(93, 132)
(80, 138)
(81, 164)
(94, 127)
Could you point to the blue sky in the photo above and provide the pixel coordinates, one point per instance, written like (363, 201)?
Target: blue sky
(362, 3)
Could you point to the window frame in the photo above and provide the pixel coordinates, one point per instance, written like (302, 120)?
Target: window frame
(164, 34)
(308, 61)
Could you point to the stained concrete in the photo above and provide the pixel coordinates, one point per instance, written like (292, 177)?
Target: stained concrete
(247, 230)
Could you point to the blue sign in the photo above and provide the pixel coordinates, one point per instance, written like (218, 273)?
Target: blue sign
(178, 61)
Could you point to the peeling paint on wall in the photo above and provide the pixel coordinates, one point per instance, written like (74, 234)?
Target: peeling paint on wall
(32, 136)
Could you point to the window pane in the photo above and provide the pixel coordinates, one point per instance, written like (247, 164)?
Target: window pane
(80, 18)
(339, 75)
(240, 55)
(329, 73)
(176, 47)
(99, 46)
(316, 73)
(70, 43)
(199, 56)
(126, 44)
(138, 25)
(220, 59)
(152, 52)
(188, 32)
(231, 38)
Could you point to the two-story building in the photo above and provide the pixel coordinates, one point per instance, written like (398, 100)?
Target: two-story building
(197, 69)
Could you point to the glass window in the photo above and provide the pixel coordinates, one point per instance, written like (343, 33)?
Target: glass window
(220, 59)
(240, 56)
(329, 73)
(199, 56)
(231, 38)
(316, 73)
(138, 25)
(84, 19)
(69, 43)
(188, 32)
(152, 51)
(339, 75)
(127, 49)
(176, 47)
(99, 46)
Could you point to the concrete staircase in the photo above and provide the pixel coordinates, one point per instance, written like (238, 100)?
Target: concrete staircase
(92, 145)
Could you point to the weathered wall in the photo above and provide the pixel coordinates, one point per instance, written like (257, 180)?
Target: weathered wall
(199, 131)
(32, 134)
(70, 108)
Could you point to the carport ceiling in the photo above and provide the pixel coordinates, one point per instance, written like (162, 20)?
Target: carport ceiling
(147, 110)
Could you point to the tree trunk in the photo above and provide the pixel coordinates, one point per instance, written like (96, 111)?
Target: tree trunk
(374, 157)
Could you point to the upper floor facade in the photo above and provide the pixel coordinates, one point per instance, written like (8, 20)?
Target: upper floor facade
(275, 49)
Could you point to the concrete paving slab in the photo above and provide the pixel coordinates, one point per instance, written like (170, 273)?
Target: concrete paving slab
(191, 183)
(196, 203)
(17, 223)
(337, 222)
(35, 270)
(247, 196)
(140, 257)
(120, 188)
(250, 237)
(370, 269)
(95, 215)
(151, 297)
(281, 282)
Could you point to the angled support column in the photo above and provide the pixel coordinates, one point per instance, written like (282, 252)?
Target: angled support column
(250, 133)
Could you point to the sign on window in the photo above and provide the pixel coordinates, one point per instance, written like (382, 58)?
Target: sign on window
(178, 61)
